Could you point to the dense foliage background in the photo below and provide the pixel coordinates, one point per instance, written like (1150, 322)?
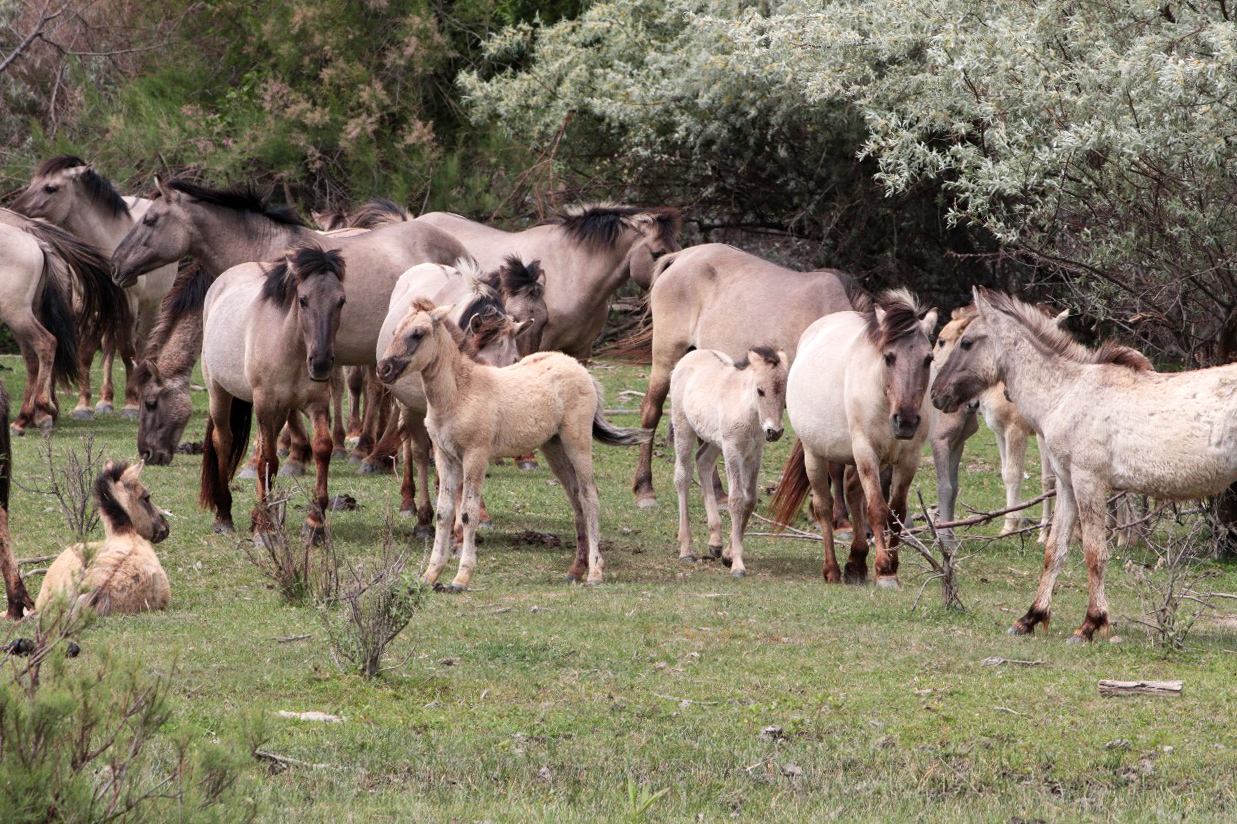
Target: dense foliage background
(1080, 151)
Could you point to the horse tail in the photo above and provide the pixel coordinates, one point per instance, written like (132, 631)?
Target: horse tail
(612, 435)
(6, 449)
(54, 312)
(240, 420)
(792, 489)
(103, 307)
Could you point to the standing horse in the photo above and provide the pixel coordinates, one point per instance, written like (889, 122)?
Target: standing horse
(857, 395)
(951, 430)
(586, 254)
(714, 296)
(731, 409)
(69, 193)
(1108, 422)
(268, 349)
(123, 575)
(547, 401)
(40, 268)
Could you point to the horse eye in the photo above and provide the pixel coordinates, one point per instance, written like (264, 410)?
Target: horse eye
(50, 189)
(342, 301)
(927, 361)
(417, 334)
(151, 403)
(890, 358)
(303, 301)
(150, 220)
(760, 392)
(966, 344)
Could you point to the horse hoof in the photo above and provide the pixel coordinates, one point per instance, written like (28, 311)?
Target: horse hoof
(423, 531)
(103, 408)
(312, 533)
(488, 523)
(248, 472)
(852, 578)
(456, 589)
(739, 573)
(688, 559)
(129, 413)
(887, 582)
(16, 430)
(223, 528)
(47, 424)
(646, 503)
(593, 582)
(290, 470)
(339, 454)
(355, 458)
(571, 579)
(369, 467)
(1077, 639)
(83, 415)
(1017, 630)
(526, 465)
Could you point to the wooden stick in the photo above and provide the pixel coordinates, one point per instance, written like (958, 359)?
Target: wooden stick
(1166, 688)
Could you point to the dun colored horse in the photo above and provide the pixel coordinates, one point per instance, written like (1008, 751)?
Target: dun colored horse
(1108, 422)
(268, 349)
(69, 193)
(716, 297)
(547, 401)
(857, 395)
(732, 409)
(120, 574)
(586, 254)
(41, 268)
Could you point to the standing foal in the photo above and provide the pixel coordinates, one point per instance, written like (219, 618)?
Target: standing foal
(733, 408)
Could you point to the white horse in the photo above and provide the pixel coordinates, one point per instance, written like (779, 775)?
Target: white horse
(857, 395)
(547, 401)
(732, 409)
(1108, 421)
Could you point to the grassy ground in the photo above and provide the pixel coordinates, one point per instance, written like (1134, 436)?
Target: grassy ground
(525, 699)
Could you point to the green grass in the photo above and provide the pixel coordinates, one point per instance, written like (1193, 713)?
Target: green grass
(663, 678)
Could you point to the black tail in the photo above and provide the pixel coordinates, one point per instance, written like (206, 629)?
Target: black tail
(54, 312)
(103, 308)
(240, 419)
(6, 449)
(612, 435)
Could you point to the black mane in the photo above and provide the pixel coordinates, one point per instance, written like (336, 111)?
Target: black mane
(110, 508)
(98, 188)
(299, 265)
(515, 277)
(599, 226)
(242, 200)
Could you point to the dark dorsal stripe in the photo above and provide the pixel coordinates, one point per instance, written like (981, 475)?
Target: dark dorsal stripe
(600, 226)
(1049, 338)
(299, 265)
(105, 497)
(98, 188)
(244, 200)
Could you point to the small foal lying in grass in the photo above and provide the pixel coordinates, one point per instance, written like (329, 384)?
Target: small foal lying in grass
(732, 408)
(124, 574)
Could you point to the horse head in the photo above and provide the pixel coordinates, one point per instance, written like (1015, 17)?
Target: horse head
(495, 337)
(125, 505)
(900, 329)
(656, 234)
(164, 413)
(60, 186)
(769, 368)
(165, 234)
(408, 350)
(310, 281)
(523, 290)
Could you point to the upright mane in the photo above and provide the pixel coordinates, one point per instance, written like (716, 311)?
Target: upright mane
(377, 212)
(98, 188)
(901, 315)
(599, 225)
(298, 265)
(1051, 339)
(515, 277)
(104, 493)
(766, 353)
(244, 200)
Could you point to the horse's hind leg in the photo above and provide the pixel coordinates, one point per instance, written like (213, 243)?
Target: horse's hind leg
(38, 348)
(575, 472)
(837, 480)
(1091, 496)
(89, 348)
(356, 388)
(665, 356)
(417, 451)
(1012, 460)
(856, 571)
(25, 343)
(381, 458)
(338, 435)
(15, 589)
(299, 447)
(684, 440)
(820, 477)
(1057, 547)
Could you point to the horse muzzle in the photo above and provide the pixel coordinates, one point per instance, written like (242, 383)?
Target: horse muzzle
(320, 370)
(905, 426)
(157, 457)
(161, 531)
(389, 369)
(772, 434)
(945, 403)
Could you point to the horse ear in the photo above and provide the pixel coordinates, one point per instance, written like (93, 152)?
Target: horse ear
(520, 327)
(78, 171)
(441, 312)
(1059, 320)
(928, 323)
(474, 325)
(109, 466)
(168, 194)
(132, 473)
(781, 356)
(880, 315)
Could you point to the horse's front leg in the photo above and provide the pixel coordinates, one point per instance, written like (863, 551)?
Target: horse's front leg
(868, 468)
(470, 516)
(1062, 529)
(323, 445)
(949, 437)
(83, 412)
(1091, 495)
(294, 442)
(741, 472)
(450, 482)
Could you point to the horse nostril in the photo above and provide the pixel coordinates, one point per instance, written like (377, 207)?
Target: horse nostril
(146, 453)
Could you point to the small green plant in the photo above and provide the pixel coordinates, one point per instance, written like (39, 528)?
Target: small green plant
(640, 800)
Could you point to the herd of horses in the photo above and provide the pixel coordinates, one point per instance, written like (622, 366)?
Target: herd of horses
(462, 340)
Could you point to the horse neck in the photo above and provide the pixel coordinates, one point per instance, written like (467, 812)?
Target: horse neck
(446, 375)
(1034, 379)
(223, 241)
(97, 226)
